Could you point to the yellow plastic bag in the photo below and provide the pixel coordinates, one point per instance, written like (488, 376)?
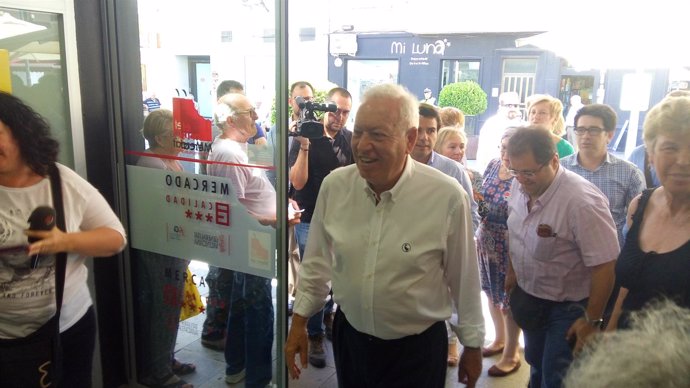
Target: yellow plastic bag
(191, 301)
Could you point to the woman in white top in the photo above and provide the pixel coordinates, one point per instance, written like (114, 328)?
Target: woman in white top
(27, 298)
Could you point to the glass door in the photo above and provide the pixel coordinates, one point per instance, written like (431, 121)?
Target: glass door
(203, 239)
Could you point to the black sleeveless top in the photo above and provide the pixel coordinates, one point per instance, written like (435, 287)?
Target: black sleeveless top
(649, 275)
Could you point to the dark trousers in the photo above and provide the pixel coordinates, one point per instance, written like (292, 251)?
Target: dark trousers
(78, 344)
(219, 281)
(159, 281)
(364, 361)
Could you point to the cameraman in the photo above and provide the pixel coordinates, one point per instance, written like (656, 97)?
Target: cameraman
(298, 89)
(310, 162)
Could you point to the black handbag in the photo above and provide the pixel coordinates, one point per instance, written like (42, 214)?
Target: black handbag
(529, 312)
(36, 360)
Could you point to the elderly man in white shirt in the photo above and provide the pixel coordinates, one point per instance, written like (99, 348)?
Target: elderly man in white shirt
(395, 238)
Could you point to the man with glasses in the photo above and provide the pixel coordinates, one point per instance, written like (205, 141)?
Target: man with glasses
(311, 160)
(563, 247)
(618, 179)
(232, 86)
(508, 115)
(250, 322)
(219, 280)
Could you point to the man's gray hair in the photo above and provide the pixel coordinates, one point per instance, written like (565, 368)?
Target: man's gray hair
(655, 352)
(225, 108)
(409, 106)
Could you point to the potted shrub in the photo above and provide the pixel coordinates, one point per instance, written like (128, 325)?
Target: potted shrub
(467, 96)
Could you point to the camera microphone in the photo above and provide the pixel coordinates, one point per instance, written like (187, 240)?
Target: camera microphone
(42, 218)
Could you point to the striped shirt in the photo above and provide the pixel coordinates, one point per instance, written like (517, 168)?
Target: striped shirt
(568, 231)
(619, 180)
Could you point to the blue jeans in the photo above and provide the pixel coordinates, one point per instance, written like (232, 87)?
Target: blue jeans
(315, 323)
(249, 336)
(547, 351)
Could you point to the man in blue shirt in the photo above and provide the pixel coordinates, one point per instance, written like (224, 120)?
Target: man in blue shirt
(152, 103)
(423, 152)
(619, 180)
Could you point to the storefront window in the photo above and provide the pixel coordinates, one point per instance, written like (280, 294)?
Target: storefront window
(453, 70)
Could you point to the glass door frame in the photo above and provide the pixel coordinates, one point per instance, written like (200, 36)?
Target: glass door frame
(65, 9)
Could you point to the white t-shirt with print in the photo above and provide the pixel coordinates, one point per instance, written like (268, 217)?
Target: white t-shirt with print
(27, 296)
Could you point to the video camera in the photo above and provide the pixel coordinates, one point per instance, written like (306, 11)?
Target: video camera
(307, 125)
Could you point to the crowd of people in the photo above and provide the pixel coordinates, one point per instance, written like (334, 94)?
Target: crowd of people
(395, 237)
(539, 229)
(565, 251)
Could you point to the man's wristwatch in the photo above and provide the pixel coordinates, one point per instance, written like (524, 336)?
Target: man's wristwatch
(596, 323)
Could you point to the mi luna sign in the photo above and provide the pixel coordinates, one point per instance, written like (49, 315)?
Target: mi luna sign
(436, 48)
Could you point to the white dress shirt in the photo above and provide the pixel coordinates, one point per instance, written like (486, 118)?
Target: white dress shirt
(398, 266)
(456, 170)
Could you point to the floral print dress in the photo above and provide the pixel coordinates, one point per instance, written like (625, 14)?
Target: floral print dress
(492, 244)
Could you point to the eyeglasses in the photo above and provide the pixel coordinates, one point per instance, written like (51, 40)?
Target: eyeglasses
(526, 173)
(251, 111)
(512, 105)
(591, 130)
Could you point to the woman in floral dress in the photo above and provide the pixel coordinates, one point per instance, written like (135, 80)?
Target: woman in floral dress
(492, 249)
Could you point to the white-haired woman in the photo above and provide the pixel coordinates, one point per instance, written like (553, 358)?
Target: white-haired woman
(655, 260)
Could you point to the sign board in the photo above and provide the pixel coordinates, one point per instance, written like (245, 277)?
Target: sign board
(342, 44)
(197, 217)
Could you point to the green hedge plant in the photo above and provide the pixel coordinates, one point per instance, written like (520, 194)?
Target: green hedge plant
(467, 96)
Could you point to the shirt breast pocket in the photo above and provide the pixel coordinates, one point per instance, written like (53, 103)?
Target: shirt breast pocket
(545, 248)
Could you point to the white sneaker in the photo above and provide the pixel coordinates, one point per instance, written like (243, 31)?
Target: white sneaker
(236, 378)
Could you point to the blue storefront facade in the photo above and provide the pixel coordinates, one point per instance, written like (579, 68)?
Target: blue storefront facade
(357, 60)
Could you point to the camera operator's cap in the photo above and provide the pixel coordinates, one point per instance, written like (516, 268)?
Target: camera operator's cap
(427, 90)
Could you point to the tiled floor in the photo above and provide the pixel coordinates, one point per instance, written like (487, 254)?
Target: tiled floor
(210, 372)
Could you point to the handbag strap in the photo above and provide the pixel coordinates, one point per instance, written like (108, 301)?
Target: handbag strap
(60, 258)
